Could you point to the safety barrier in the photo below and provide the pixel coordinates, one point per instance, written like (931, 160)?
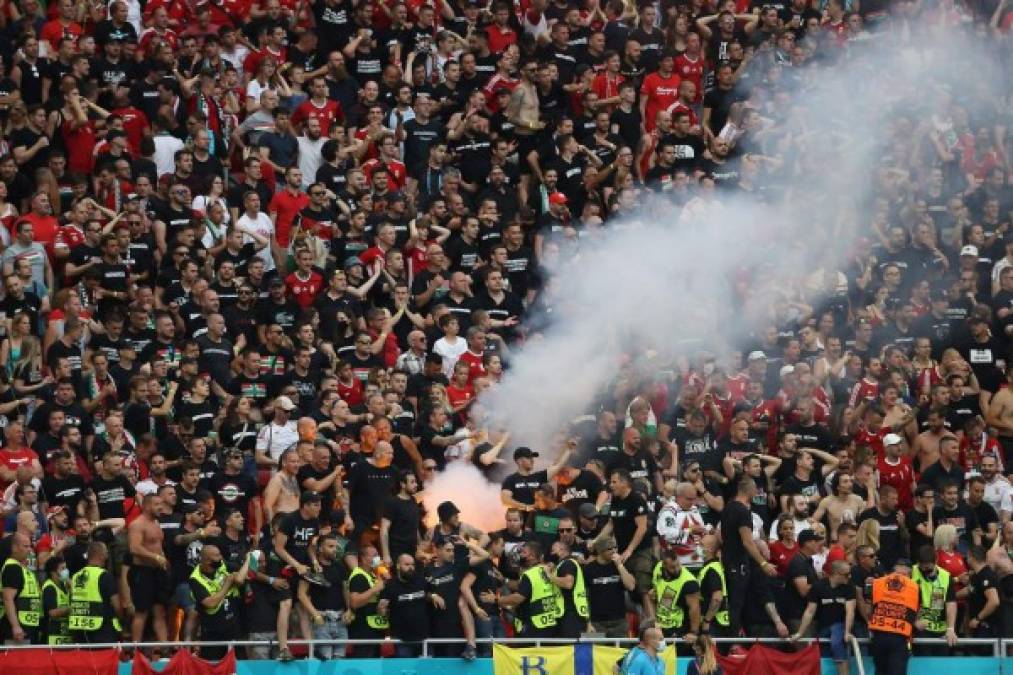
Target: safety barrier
(1000, 647)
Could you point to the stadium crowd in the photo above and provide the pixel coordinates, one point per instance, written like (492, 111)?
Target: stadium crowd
(261, 259)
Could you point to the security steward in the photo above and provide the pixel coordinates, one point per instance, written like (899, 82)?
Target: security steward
(895, 606)
(938, 615)
(21, 612)
(538, 601)
(674, 598)
(574, 612)
(365, 584)
(56, 603)
(713, 590)
(216, 592)
(94, 600)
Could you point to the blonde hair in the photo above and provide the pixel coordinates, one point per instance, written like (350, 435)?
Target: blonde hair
(868, 533)
(945, 537)
(708, 663)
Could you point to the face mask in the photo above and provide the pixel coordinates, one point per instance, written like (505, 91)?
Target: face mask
(662, 645)
(64, 574)
(376, 561)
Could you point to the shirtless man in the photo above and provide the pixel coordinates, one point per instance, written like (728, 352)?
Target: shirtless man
(148, 575)
(898, 414)
(843, 506)
(925, 451)
(1000, 415)
(282, 492)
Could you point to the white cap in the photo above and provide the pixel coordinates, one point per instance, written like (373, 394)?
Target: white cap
(285, 403)
(787, 370)
(757, 356)
(969, 250)
(892, 439)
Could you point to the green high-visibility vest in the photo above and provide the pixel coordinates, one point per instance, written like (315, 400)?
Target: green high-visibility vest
(579, 592)
(933, 597)
(58, 629)
(87, 608)
(545, 605)
(28, 604)
(721, 616)
(374, 619)
(669, 592)
(214, 584)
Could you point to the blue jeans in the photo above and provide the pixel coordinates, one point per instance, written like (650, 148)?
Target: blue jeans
(332, 629)
(488, 628)
(838, 648)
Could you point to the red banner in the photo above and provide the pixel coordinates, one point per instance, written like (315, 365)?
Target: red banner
(185, 663)
(760, 660)
(60, 661)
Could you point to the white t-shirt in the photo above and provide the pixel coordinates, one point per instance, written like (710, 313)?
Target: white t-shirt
(166, 147)
(450, 353)
(263, 226)
(310, 158)
(275, 439)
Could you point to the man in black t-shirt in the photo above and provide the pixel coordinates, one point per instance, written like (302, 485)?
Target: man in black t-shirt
(518, 490)
(326, 604)
(800, 579)
(628, 523)
(399, 524)
(293, 542)
(983, 599)
(607, 581)
(739, 554)
(832, 602)
(405, 601)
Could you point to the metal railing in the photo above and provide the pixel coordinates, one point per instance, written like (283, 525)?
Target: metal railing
(1000, 647)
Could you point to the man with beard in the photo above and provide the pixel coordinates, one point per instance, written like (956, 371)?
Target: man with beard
(402, 517)
(148, 577)
(638, 461)
(65, 487)
(327, 606)
(405, 601)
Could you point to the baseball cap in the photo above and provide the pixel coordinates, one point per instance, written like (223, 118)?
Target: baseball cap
(524, 451)
(447, 510)
(53, 510)
(558, 198)
(940, 295)
(352, 261)
(588, 511)
(276, 282)
(787, 370)
(806, 536)
(309, 496)
(604, 544)
(891, 439)
(969, 250)
(284, 402)
(757, 356)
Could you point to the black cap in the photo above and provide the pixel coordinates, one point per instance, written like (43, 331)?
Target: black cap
(309, 497)
(186, 508)
(587, 510)
(524, 451)
(276, 282)
(805, 536)
(446, 511)
(940, 295)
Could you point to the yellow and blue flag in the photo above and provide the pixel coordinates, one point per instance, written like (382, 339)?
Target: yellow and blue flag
(576, 659)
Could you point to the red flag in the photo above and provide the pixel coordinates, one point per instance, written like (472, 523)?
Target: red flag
(185, 663)
(760, 660)
(60, 662)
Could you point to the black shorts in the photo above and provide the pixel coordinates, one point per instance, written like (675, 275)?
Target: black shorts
(525, 144)
(149, 587)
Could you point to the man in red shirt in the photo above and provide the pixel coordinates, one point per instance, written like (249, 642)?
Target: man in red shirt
(474, 355)
(286, 204)
(659, 90)
(500, 34)
(305, 283)
(319, 106)
(389, 158)
(896, 471)
(135, 122)
(61, 27)
(690, 65)
(44, 225)
(14, 454)
(607, 82)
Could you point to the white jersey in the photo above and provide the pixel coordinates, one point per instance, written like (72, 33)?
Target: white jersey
(675, 528)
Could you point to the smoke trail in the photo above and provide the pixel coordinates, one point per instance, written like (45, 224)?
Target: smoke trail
(658, 279)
